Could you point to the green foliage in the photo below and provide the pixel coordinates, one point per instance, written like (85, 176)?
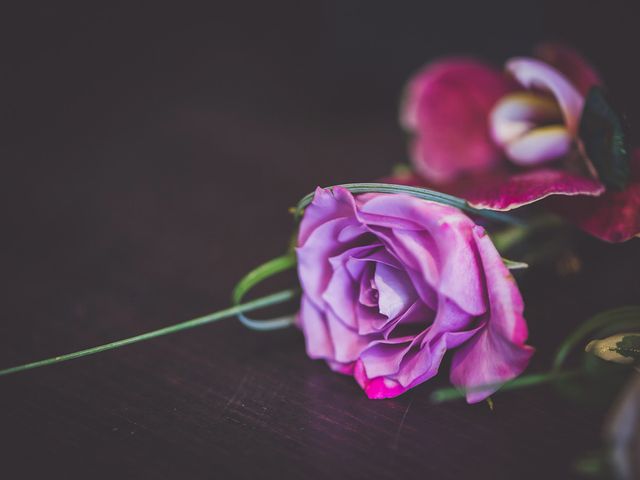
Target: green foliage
(256, 276)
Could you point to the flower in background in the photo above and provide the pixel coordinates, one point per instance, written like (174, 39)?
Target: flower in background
(507, 139)
(391, 283)
(540, 124)
(446, 106)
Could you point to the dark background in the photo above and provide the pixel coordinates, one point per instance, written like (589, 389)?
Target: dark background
(149, 155)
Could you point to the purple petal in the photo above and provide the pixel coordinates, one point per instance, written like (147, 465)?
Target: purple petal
(341, 295)
(348, 344)
(368, 295)
(395, 289)
(446, 232)
(449, 330)
(326, 205)
(314, 268)
(383, 357)
(379, 387)
(315, 329)
(370, 320)
(446, 107)
(497, 352)
(343, 368)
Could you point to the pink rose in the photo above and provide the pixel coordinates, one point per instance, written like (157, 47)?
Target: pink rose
(516, 134)
(391, 282)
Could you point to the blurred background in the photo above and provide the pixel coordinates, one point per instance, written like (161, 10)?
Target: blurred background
(149, 154)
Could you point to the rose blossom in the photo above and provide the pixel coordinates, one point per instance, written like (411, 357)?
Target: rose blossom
(391, 282)
(504, 140)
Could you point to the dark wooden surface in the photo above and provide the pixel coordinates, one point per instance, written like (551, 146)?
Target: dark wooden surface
(149, 157)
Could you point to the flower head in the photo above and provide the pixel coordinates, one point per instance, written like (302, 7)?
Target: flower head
(506, 139)
(391, 283)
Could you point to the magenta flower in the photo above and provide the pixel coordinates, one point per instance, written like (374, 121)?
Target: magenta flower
(506, 140)
(391, 283)
(446, 106)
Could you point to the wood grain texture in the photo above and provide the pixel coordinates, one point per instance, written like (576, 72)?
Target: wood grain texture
(150, 156)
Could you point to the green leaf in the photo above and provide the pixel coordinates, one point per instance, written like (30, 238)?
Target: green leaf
(629, 347)
(603, 138)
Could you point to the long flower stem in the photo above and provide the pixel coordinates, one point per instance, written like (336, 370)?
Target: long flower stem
(447, 394)
(262, 302)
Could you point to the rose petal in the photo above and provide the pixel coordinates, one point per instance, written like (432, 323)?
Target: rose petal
(341, 295)
(343, 368)
(396, 291)
(314, 268)
(370, 320)
(315, 329)
(614, 216)
(497, 353)
(570, 63)
(379, 387)
(446, 232)
(348, 344)
(449, 330)
(446, 106)
(417, 312)
(326, 205)
(383, 357)
(532, 73)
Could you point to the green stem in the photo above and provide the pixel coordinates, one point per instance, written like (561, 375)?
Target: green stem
(254, 277)
(447, 394)
(418, 192)
(262, 302)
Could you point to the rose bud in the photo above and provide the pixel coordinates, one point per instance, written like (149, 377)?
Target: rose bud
(391, 282)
